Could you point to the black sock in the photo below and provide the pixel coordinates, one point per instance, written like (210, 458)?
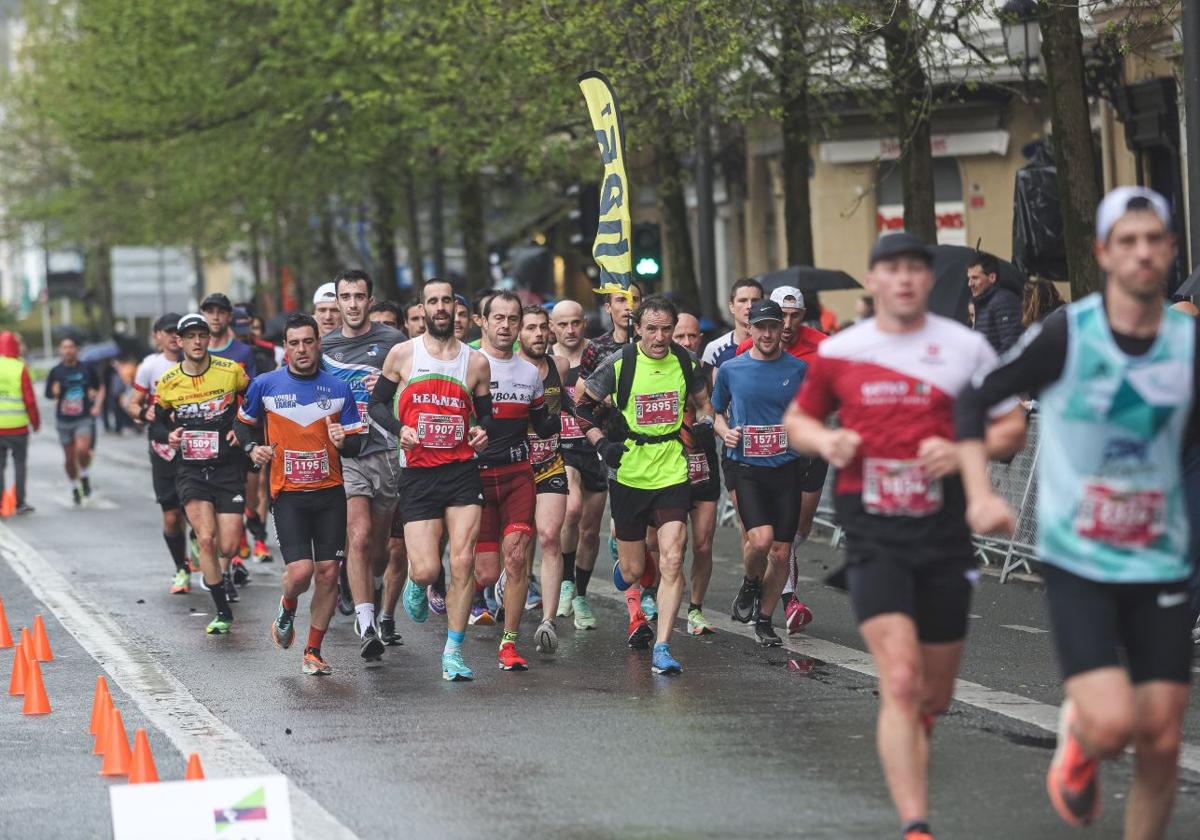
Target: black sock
(177, 545)
(916, 825)
(311, 649)
(217, 591)
(582, 576)
(763, 619)
(256, 527)
(440, 585)
(692, 606)
(569, 566)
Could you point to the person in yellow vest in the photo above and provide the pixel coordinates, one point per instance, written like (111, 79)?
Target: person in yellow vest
(18, 412)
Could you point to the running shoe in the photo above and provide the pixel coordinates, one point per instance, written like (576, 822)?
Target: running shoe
(220, 625)
(745, 604)
(25, 508)
(764, 633)
(509, 659)
(1072, 780)
(498, 594)
(241, 575)
(545, 638)
(204, 586)
(917, 834)
(437, 600)
(481, 616)
(345, 602)
(371, 648)
(76, 496)
(243, 547)
(796, 615)
(283, 631)
(262, 554)
(649, 607)
(493, 604)
(231, 593)
(314, 665)
(662, 662)
(533, 596)
(698, 625)
(454, 669)
(415, 602)
(182, 584)
(566, 593)
(387, 632)
(85, 484)
(640, 633)
(584, 618)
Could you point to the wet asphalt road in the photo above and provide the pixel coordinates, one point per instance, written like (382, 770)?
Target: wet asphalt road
(587, 744)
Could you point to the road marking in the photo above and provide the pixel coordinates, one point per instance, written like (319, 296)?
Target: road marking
(1024, 629)
(161, 697)
(992, 700)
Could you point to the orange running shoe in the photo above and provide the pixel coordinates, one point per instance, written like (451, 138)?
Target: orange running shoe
(262, 554)
(510, 660)
(640, 634)
(1072, 780)
(314, 665)
(917, 834)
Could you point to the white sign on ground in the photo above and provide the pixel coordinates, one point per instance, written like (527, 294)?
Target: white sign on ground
(253, 808)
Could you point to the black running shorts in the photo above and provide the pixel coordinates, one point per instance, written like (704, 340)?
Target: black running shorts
(222, 485)
(704, 475)
(1144, 626)
(729, 468)
(426, 492)
(812, 474)
(551, 480)
(634, 509)
(591, 469)
(311, 524)
(770, 496)
(162, 474)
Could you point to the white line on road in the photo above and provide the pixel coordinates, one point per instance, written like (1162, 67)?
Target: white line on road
(162, 698)
(1024, 629)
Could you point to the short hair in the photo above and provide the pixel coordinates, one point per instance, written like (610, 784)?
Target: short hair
(410, 303)
(534, 309)
(298, 321)
(481, 300)
(745, 282)
(608, 298)
(502, 294)
(655, 303)
(353, 275)
(385, 306)
(985, 261)
(71, 337)
(432, 281)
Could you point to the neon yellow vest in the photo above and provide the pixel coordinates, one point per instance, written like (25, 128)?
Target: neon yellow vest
(12, 400)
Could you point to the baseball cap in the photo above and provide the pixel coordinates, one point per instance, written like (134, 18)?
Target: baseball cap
(167, 322)
(192, 319)
(325, 293)
(459, 297)
(218, 300)
(765, 310)
(788, 297)
(901, 244)
(1123, 199)
(241, 321)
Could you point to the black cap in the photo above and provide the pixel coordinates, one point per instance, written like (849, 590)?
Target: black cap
(241, 321)
(191, 320)
(765, 310)
(167, 322)
(900, 245)
(218, 300)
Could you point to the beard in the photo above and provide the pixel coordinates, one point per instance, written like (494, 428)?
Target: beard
(437, 331)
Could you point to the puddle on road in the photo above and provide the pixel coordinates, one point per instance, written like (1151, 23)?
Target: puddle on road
(800, 665)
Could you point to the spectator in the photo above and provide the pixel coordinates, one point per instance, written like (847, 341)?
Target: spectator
(18, 414)
(997, 310)
(1041, 298)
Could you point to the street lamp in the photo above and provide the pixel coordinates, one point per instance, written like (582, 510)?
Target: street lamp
(1022, 34)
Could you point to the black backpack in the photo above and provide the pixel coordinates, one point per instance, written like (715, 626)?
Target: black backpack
(629, 357)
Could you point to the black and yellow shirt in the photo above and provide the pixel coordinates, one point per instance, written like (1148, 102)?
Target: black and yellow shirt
(204, 407)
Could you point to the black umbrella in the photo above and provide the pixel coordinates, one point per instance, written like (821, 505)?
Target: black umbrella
(951, 294)
(807, 278)
(1191, 286)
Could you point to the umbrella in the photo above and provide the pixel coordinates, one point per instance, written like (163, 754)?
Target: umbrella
(807, 278)
(950, 294)
(95, 353)
(1191, 286)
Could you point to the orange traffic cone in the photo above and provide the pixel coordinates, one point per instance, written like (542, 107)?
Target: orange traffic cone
(8, 506)
(5, 636)
(142, 769)
(116, 750)
(195, 773)
(36, 702)
(41, 642)
(100, 703)
(16, 685)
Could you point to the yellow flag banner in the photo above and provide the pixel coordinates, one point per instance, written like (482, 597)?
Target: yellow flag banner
(611, 249)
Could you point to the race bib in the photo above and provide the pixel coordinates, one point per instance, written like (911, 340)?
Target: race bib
(542, 449)
(896, 487)
(570, 426)
(697, 467)
(440, 431)
(305, 467)
(763, 441)
(71, 406)
(162, 450)
(1121, 517)
(200, 446)
(362, 413)
(652, 409)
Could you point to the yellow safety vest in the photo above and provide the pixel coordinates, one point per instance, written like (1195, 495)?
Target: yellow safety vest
(12, 399)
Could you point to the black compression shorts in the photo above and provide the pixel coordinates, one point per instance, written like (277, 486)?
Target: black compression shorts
(812, 474)
(634, 509)
(729, 468)
(770, 496)
(311, 524)
(162, 474)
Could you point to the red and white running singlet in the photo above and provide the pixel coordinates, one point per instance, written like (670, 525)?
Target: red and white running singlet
(436, 402)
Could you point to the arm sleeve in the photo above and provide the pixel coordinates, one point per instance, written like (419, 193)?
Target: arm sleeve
(30, 399)
(380, 407)
(545, 425)
(247, 433)
(164, 421)
(483, 412)
(720, 394)
(603, 381)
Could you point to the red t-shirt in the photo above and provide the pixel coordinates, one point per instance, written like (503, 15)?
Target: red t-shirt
(803, 348)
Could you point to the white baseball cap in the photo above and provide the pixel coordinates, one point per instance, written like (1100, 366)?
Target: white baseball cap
(325, 293)
(788, 297)
(1123, 199)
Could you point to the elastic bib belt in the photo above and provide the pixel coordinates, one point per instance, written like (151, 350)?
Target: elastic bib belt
(641, 439)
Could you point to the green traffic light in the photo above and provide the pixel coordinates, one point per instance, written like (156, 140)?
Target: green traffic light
(647, 267)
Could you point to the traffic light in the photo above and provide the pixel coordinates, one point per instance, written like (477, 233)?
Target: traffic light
(647, 253)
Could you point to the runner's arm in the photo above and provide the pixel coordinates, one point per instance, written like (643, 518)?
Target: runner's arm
(162, 425)
(379, 407)
(31, 408)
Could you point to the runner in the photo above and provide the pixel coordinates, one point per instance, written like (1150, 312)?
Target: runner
(751, 394)
(414, 318)
(325, 308)
(218, 311)
(355, 354)
(650, 383)
(1116, 377)
(587, 477)
(619, 308)
(506, 526)
(164, 461)
(462, 317)
(443, 383)
(723, 348)
(549, 469)
(384, 312)
(18, 414)
(311, 423)
(78, 395)
(705, 490)
(195, 406)
(910, 563)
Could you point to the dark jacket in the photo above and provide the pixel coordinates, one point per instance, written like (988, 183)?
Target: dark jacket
(998, 317)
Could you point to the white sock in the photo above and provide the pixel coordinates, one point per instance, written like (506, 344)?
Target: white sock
(83, 473)
(366, 616)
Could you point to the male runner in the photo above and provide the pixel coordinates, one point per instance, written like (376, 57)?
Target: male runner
(723, 348)
(311, 423)
(587, 477)
(549, 469)
(650, 382)
(911, 566)
(443, 384)
(1116, 377)
(414, 318)
(750, 396)
(619, 307)
(325, 308)
(164, 460)
(706, 491)
(355, 354)
(462, 317)
(195, 406)
(78, 396)
(384, 312)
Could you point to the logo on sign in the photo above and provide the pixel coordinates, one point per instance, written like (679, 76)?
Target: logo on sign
(247, 809)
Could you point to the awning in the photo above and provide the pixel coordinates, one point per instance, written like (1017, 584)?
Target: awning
(888, 148)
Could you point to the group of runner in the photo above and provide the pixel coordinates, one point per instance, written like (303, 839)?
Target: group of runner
(390, 443)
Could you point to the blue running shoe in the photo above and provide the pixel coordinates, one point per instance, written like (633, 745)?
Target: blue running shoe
(454, 669)
(662, 662)
(490, 600)
(415, 602)
(533, 597)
